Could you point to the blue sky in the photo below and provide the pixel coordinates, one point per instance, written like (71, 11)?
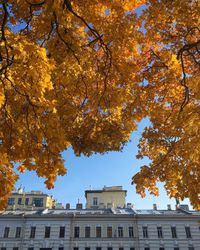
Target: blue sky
(113, 168)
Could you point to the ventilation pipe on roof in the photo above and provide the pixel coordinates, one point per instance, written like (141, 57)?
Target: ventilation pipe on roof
(79, 206)
(169, 207)
(67, 206)
(154, 207)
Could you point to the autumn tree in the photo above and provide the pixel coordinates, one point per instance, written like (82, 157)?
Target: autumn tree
(83, 74)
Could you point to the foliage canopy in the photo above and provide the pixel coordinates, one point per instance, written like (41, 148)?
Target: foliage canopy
(84, 73)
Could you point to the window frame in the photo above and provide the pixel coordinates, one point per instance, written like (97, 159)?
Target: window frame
(174, 232)
(6, 232)
(145, 232)
(98, 232)
(76, 232)
(47, 232)
(160, 232)
(26, 203)
(95, 201)
(11, 201)
(62, 232)
(19, 201)
(120, 232)
(38, 202)
(32, 232)
(131, 232)
(109, 232)
(87, 232)
(18, 232)
(188, 232)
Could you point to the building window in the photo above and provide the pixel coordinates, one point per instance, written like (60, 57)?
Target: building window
(27, 201)
(62, 232)
(176, 248)
(76, 232)
(19, 201)
(132, 248)
(109, 232)
(75, 248)
(147, 248)
(87, 232)
(95, 201)
(61, 248)
(98, 232)
(47, 232)
(161, 248)
(11, 201)
(38, 202)
(31, 248)
(6, 232)
(121, 248)
(98, 248)
(188, 233)
(130, 232)
(120, 232)
(145, 232)
(173, 230)
(18, 232)
(160, 233)
(32, 233)
(87, 248)
(15, 248)
(191, 248)
(3, 248)
(109, 248)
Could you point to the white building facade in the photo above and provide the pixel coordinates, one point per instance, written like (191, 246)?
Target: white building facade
(100, 229)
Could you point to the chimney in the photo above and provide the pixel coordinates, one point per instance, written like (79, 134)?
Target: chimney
(79, 206)
(20, 190)
(129, 205)
(169, 207)
(67, 206)
(154, 207)
(184, 207)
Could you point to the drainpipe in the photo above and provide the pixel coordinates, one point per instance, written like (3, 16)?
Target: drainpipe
(71, 232)
(137, 239)
(23, 232)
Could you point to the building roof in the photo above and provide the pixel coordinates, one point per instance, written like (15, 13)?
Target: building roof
(31, 193)
(98, 212)
(106, 189)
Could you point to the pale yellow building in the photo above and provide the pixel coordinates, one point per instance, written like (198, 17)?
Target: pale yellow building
(108, 197)
(30, 200)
